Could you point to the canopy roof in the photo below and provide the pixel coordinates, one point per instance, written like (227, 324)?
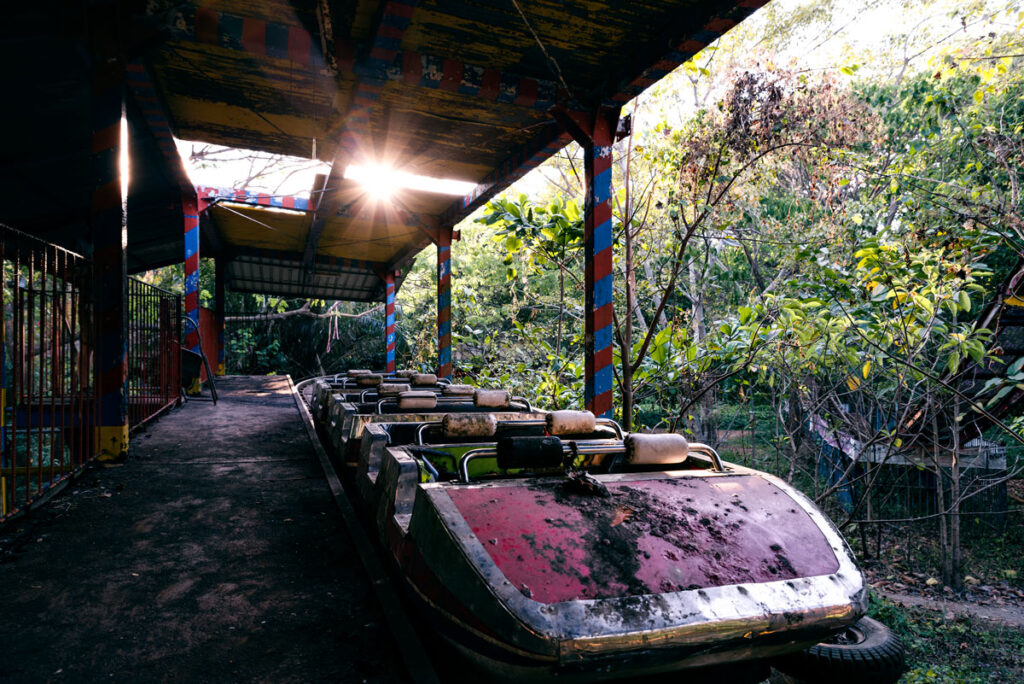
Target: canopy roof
(453, 89)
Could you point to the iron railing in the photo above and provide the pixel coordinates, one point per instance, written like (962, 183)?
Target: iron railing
(47, 405)
(154, 344)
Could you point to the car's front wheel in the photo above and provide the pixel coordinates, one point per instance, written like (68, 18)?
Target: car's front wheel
(866, 651)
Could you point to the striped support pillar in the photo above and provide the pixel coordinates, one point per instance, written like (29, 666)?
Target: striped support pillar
(597, 246)
(444, 303)
(220, 293)
(109, 228)
(190, 209)
(389, 321)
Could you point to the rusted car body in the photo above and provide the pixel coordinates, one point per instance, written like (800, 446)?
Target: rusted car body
(618, 568)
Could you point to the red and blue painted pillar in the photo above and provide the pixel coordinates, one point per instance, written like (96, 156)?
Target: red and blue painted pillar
(190, 209)
(444, 303)
(597, 246)
(389, 321)
(109, 228)
(220, 293)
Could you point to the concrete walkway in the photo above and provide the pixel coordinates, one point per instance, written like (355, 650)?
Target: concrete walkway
(215, 554)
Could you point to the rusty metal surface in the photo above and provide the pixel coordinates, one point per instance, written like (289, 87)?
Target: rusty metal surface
(747, 619)
(651, 536)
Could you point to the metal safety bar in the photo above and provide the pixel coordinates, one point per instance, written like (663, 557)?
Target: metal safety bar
(584, 449)
(708, 451)
(455, 401)
(526, 422)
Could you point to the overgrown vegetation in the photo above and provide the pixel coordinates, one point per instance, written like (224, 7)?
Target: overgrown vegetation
(944, 648)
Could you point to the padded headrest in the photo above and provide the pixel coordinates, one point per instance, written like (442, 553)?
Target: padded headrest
(417, 399)
(392, 389)
(492, 398)
(570, 422)
(655, 449)
(469, 425)
(359, 371)
(369, 380)
(458, 390)
(424, 379)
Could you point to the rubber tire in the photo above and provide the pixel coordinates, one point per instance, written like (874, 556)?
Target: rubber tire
(873, 654)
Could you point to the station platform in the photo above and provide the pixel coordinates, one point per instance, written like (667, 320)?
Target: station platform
(215, 553)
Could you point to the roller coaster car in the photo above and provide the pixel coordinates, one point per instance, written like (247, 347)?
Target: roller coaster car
(550, 546)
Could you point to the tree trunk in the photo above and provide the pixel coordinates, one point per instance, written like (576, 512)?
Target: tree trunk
(954, 504)
(946, 559)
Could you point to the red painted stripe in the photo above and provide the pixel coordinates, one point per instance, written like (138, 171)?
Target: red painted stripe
(602, 359)
(192, 264)
(288, 202)
(691, 46)
(299, 43)
(444, 315)
(254, 36)
(206, 25)
(601, 404)
(603, 317)
(602, 265)
(602, 212)
(412, 68)
(396, 9)
(527, 92)
(191, 301)
(452, 75)
(390, 31)
(490, 84)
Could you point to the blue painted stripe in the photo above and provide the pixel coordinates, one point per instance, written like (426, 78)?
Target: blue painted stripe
(602, 380)
(603, 338)
(191, 242)
(191, 282)
(603, 292)
(445, 356)
(444, 299)
(230, 27)
(277, 41)
(603, 185)
(444, 329)
(602, 237)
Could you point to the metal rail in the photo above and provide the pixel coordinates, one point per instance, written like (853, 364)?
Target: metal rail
(154, 357)
(526, 422)
(48, 407)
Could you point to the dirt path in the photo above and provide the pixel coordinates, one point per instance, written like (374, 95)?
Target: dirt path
(216, 554)
(1009, 615)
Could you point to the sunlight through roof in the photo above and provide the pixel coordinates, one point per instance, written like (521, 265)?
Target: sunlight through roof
(382, 181)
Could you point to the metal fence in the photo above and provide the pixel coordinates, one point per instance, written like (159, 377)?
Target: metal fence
(154, 356)
(47, 404)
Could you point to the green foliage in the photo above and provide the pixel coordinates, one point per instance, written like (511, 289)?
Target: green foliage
(963, 650)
